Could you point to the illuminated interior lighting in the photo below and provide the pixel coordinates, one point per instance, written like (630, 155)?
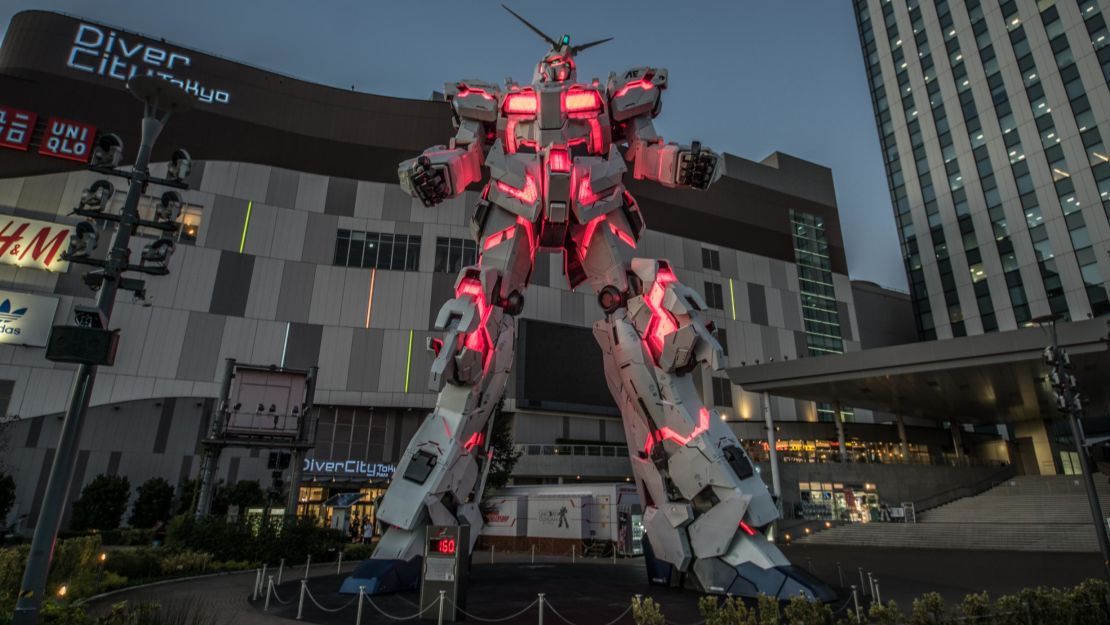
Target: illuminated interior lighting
(408, 362)
(285, 343)
(667, 434)
(559, 160)
(747, 529)
(635, 84)
(370, 297)
(246, 222)
(732, 297)
(496, 238)
(522, 103)
(622, 235)
(465, 91)
(581, 101)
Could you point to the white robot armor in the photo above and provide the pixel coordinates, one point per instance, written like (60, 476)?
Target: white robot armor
(555, 186)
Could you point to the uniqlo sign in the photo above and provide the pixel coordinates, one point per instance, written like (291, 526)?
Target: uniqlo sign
(16, 127)
(67, 139)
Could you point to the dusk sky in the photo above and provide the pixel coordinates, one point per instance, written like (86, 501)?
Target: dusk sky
(746, 77)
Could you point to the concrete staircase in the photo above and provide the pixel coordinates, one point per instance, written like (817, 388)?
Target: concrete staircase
(1025, 513)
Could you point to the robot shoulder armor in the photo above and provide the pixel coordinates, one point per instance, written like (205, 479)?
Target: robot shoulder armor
(636, 92)
(473, 99)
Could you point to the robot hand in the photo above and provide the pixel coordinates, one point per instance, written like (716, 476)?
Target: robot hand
(424, 181)
(697, 167)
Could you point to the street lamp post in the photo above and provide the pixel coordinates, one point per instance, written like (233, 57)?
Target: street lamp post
(1068, 402)
(160, 98)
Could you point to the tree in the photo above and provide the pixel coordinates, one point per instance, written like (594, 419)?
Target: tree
(505, 453)
(186, 499)
(102, 503)
(7, 496)
(152, 504)
(245, 494)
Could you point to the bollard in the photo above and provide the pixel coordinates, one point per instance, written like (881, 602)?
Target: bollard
(269, 589)
(300, 602)
(361, 593)
(871, 584)
(540, 600)
(614, 554)
(339, 562)
(307, 564)
(281, 570)
(492, 548)
(840, 573)
(533, 553)
(262, 580)
(572, 550)
(442, 593)
(862, 586)
(257, 583)
(878, 595)
(855, 599)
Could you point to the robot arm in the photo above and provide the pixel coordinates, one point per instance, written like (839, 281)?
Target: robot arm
(443, 172)
(634, 100)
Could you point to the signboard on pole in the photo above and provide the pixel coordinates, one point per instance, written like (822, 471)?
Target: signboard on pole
(26, 319)
(33, 243)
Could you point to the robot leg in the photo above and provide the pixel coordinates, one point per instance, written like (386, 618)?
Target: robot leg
(437, 480)
(706, 510)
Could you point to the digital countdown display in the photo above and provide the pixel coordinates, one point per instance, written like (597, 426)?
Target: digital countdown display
(442, 545)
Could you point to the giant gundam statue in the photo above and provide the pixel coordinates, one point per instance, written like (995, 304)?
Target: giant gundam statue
(554, 154)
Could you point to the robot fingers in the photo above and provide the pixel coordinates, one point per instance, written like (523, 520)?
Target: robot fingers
(423, 180)
(698, 167)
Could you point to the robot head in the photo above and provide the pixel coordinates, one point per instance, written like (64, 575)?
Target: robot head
(558, 64)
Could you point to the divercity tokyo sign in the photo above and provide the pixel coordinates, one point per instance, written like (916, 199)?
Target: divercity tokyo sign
(119, 56)
(26, 319)
(349, 467)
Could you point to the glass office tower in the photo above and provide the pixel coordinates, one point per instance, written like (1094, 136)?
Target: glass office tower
(991, 118)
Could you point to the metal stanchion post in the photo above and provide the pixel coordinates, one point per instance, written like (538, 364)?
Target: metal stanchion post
(307, 563)
(361, 597)
(614, 554)
(281, 570)
(257, 583)
(540, 601)
(533, 554)
(840, 574)
(871, 584)
(300, 602)
(269, 591)
(339, 562)
(262, 580)
(492, 548)
(442, 596)
(878, 595)
(862, 586)
(855, 599)
(572, 550)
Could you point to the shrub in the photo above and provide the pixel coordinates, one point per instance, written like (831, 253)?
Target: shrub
(7, 496)
(731, 611)
(645, 611)
(1089, 602)
(802, 611)
(888, 614)
(768, 610)
(976, 608)
(185, 563)
(135, 564)
(357, 551)
(152, 503)
(241, 541)
(101, 504)
(928, 609)
(169, 613)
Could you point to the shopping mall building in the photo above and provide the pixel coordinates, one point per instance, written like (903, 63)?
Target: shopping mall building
(298, 249)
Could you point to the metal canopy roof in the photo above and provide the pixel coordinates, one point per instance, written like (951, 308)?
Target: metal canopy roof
(989, 378)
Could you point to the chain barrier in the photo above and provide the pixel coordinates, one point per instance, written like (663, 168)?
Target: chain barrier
(400, 618)
(332, 610)
(495, 620)
(548, 606)
(273, 591)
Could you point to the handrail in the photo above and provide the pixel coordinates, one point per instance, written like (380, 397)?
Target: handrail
(966, 490)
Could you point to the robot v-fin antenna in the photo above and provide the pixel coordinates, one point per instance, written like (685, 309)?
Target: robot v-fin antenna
(577, 49)
(554, 44)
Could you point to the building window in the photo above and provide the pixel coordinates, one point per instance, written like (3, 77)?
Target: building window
(714, 296)
(377, 250)
(722, 392)
(820, 312)
(710, 259)
(454, 254)
(722, 338)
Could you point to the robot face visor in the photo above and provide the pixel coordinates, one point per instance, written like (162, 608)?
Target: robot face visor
(557, 68)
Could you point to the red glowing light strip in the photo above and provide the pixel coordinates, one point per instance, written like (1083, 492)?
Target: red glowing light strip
(478, 340)
(475, 439)
(465, 91)
(523, 103)
(510, 136)
(595, 135)
(527, 225)
(526, 195)
(667, 434)
(559, 160)
(588, 237)
(661, 322)
(581, 101)
(585, 192)
(447, 428)
(747, 529)
(622, 235)
(635, 84)
(497, 237)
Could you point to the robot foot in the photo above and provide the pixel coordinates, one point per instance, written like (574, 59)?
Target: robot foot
(383, 576)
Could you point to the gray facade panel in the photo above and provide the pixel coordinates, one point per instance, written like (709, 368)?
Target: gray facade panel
(295, 297)
(233, 284)
(692, 252)
(365, 363)
(541, 272)
(201, 351)
(303, 347)
(33, 433)
(769, 337)
(281, 190)
(225, 226)
(319, 239)
(845, 321)
(40, 488)
(165, 420)
(792, 311)
(341, 197)
(757, 299)
(443, 289)
(397, 205)
(42, 194)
